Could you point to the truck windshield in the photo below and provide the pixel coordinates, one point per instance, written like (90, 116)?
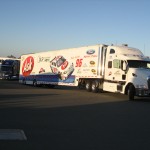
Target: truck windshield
(138, 64)
(60, 61)
(6, 68)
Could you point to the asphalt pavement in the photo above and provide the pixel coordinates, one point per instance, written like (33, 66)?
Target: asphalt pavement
(66, 118)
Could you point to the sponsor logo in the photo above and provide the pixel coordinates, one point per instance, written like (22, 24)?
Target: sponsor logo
(64, 65)
(79, 71)
(86, 69)
(93, 70)
(92, 62)
(85, 65)
(110, 73)
(117, 73)
(90, 51)
(43, 59)
(28, 66)
(42, 70)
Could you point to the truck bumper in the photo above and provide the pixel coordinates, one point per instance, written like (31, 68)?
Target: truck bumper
(5, 76)
(142, 92)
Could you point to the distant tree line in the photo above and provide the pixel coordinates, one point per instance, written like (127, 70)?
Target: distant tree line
(11, 56)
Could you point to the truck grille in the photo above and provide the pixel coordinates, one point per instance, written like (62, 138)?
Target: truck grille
(148, 82)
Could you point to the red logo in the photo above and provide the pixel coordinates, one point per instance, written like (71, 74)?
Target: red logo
(64, 65)
(28, 66)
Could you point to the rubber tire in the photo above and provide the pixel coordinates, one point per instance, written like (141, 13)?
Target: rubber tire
(79, 86)
(24, 81)
(88, 86)
(94, 86)
(50, 86)
(35, 83)
(131, 92)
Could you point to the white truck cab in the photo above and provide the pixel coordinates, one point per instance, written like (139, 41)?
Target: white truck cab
(127, 71)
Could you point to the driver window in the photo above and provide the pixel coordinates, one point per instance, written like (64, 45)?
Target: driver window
(117, 63)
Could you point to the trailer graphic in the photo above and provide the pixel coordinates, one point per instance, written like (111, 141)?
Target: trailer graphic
(59, 65)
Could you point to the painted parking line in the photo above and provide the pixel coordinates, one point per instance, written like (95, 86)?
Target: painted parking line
(12, 134)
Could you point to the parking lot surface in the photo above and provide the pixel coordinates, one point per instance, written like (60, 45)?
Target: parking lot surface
(66, 118)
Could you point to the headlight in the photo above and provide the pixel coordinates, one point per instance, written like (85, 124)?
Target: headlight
(134, 74)
(141, 86)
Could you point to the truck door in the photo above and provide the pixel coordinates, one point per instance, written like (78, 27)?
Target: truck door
(118, 73)
(114, 71)
(114, 75)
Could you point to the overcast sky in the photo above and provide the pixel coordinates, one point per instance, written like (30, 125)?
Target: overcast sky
(30, 26)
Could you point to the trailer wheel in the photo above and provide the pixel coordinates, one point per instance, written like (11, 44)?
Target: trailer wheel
(35, 83)
(88, 86)
(24, 81)
(95, 86)
(131, 92)
(51, 86)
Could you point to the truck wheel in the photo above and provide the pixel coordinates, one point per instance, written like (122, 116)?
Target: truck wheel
(131, 92)
(88, 86)
(95, 86)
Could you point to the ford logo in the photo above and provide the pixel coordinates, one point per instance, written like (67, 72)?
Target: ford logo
(90, 51)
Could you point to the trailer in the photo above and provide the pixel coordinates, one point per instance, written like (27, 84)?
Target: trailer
(96, 68)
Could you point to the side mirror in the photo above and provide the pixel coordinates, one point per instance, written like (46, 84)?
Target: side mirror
(124, 67)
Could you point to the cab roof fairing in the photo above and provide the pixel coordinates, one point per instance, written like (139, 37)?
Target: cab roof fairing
(132, 57)
(126, 50)
(130, 53)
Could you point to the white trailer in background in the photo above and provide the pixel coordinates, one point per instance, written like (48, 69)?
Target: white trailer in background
(112, 68)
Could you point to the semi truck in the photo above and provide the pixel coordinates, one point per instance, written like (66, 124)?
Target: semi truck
(10, 69)
(1, 60)
(96, 68)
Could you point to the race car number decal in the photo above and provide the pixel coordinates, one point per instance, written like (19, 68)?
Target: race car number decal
(78, 62)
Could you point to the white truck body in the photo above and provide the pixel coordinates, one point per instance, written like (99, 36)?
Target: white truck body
(99, 67)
